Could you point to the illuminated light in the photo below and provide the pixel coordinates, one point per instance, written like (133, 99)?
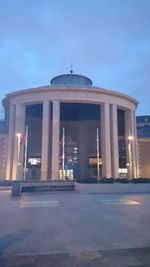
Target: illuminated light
(93, 161)
(130, 137)
(132, 202)
(122, 170)
(68, 174)
(34, 204)
(119, 202)
(34, 161)
(18, 135)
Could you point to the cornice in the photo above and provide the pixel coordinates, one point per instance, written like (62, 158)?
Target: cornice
(91, 89)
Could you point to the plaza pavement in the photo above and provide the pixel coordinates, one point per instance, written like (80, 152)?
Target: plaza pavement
(58, 229)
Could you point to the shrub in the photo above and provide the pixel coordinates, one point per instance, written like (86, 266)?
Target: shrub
(5, 183)
(124, 181)
(87, 181)
(106, 180)
(95, 181)
(140, 180)
(117, 180)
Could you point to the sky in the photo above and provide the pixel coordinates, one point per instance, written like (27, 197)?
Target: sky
(105, 40)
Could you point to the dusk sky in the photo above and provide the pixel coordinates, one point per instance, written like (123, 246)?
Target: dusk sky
(106, 40)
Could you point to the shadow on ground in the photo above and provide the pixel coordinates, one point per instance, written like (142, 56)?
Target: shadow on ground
(138, 257)
(12, 239)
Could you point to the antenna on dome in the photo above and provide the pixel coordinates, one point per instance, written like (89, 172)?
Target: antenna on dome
(71, 70)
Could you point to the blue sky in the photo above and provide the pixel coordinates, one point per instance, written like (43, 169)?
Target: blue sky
(106, 40)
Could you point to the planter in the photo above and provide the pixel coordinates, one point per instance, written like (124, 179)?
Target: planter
(115, 188)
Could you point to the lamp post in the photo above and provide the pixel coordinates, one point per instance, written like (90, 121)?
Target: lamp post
(97, 152)
(25, 153)
(63, 154)
(130, 165)
(18, 135)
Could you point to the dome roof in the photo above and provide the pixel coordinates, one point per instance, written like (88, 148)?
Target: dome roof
(71, 80)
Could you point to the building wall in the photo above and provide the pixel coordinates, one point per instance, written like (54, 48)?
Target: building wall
(143, 132)
(144, 157)
(3, 155)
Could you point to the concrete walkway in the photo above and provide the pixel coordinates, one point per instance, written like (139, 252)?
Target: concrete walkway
(71, 229)
(139, 257)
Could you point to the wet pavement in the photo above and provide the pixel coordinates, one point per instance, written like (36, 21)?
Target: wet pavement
(72, 229)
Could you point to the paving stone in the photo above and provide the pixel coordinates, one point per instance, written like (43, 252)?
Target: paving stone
(114, 258)
(20, 261)
(79, 232)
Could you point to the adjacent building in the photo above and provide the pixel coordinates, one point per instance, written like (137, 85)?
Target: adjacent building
(143, 132)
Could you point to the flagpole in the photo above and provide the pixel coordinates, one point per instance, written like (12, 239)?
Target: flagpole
(18, 148)
(97, 150)
(25, 152)
(63, 153)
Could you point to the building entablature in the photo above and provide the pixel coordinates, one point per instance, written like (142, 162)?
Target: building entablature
(70, 93)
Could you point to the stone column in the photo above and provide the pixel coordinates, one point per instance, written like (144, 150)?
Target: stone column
(55, 140)
(10, 144)
(45, 140)
(18, 154)
(114, 141)
(130, 144)
(105, 140)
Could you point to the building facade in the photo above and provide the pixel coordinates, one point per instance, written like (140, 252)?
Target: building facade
(67, 130)
(143, 133)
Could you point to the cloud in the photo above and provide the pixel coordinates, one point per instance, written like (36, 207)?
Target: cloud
(106, 40)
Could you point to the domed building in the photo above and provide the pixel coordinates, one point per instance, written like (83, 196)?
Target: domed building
(70, 129)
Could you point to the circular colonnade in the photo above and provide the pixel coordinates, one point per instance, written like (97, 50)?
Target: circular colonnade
(74, 130)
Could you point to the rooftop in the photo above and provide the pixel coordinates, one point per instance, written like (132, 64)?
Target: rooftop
(71, 80)
(143, 119)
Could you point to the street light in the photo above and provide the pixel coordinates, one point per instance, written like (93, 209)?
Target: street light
(130, 139)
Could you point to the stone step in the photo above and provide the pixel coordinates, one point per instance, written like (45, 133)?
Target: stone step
(19, 187)
(47, 188)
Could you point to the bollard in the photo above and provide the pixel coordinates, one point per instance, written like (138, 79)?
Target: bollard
(16, 189)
